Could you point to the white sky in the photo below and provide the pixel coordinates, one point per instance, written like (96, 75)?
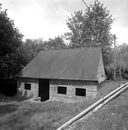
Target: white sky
(47, 18)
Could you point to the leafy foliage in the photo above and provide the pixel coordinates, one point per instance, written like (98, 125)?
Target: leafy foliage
(120, 65)
(30, 48)
(90, 27)
(10, 40)
(56, 43)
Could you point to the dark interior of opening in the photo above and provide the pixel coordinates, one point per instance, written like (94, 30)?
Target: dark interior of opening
(80, 92)
(27, 86)
(44, 89)
(8, 87)
(62, 90)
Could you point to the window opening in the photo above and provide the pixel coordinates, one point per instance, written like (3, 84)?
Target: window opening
(27, 86)
(62, 90)
(80, 92)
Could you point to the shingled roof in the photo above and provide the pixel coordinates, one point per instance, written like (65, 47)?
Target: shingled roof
(72, 64)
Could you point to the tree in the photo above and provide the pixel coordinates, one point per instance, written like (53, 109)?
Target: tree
(122, 61)
(90, 27)
(119, 64)
(30, 48)
(54, 43)
(10, 40)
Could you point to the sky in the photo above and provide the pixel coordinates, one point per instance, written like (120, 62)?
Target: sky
(47, 18)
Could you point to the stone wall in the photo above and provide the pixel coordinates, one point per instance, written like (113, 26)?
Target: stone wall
(33, 93)
(71, 85)
(70, 96)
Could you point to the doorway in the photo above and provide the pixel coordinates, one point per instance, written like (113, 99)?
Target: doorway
(44, 89)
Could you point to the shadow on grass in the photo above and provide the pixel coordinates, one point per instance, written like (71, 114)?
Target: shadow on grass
(4, 109)
(7, 99)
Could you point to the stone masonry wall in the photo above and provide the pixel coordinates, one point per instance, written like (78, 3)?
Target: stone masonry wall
(33, 93)
(91, 90)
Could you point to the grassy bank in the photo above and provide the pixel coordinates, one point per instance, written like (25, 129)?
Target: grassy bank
(113, 116)
(26, 115)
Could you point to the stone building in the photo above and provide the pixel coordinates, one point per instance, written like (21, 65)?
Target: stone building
(67, 75)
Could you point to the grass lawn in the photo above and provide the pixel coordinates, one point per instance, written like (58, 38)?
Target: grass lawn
(113, 116)
(26, 115)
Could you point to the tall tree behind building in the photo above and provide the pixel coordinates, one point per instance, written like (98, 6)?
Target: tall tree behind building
(91, 28)
(10, 40)
(31, 47)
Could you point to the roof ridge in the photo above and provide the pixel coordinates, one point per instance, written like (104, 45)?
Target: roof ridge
(62, 49)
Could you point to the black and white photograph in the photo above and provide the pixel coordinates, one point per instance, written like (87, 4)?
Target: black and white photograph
(63, 65)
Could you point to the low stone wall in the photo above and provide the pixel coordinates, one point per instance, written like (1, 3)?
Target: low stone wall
(70, 96)
(33, 93)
